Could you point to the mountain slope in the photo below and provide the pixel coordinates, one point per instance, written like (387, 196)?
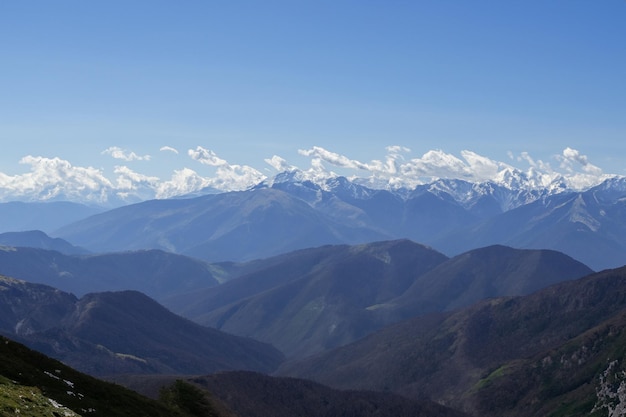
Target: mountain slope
(493, 271)
(40, 240)
(231, 226)
(34, 385)
(156, 273)
(305, 310)
(255, 395)
(309, 301)
(501, 357)
(589, 226)
(108, 333)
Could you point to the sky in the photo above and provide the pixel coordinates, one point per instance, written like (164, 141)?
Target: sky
(171, 96)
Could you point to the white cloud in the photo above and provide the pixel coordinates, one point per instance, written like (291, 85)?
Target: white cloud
(228, 177)
(183, 181)
(55, 178)
(571, 158)
(123, 154)
(206, 157)
(168, 149)
(279, 164)
(333, 158)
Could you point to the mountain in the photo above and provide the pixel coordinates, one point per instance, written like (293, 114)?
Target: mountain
(156, 273)
(488, 272)
(20, 216)
(40, 240)
(313, 300)
(558, 352)
(316, 299)
(232, 226)
(290, 212)
(589, 226)
(122, 332)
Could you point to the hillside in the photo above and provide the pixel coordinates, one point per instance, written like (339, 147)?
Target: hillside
(541, 354)
(315, 299)
(34, 385)
(122, 332)
(309, 301)
(156, 273)
(235, 226)
(251, 394)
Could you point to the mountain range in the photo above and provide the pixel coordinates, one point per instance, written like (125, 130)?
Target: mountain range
(497, 311)
(290, 213)
(313, 300)
(305, 301)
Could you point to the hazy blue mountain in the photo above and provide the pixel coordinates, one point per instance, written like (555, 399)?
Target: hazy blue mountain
(21, 216)
(309, 301)
(493, 271)
(289, 212)
(589, 226)
(156, 273)
(122, 332)
(40, 240)
(231, 226)
(558, 352)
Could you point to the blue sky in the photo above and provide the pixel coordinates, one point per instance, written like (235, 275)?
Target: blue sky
(249, 80)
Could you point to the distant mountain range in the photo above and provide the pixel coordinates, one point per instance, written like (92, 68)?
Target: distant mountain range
(290, 213)
(20, 216)
(156, 273)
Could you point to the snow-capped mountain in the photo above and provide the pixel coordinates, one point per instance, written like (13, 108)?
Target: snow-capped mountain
(294, 211)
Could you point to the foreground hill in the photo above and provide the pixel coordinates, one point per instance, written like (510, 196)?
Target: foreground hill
(317, 299)
(34, 385)
(153, 272)
(559, 352)
(121, 332)
(251, 394)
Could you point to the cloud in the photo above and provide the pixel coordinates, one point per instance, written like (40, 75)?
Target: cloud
(206, 157)
(168, 149)
(279, 164)
(54, 179)
(228, 177)
(333, 158)
(182, 182)
(572, 157)
(123, 154)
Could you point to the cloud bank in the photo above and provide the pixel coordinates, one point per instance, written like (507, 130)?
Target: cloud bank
(124, 155)
(52, 179)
